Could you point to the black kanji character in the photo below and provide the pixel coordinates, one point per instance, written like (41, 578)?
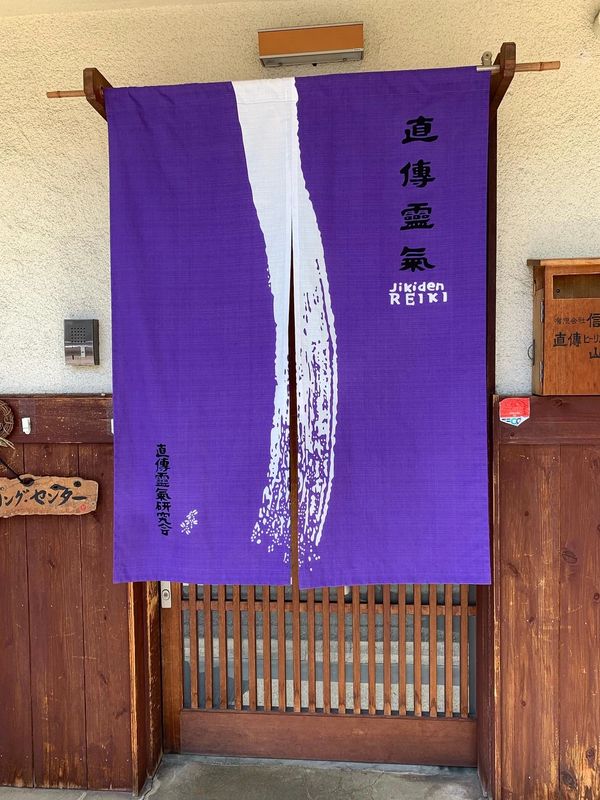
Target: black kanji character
(419, 131)
(419, 173)
(594, 320)
(414, 259)
(416, 215)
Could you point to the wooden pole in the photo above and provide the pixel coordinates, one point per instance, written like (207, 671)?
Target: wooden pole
(487, 648)
(94, 82)
(537, 66)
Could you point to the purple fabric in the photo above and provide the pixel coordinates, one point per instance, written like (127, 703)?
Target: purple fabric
(390, 328)
(409, 499)
(193, 340)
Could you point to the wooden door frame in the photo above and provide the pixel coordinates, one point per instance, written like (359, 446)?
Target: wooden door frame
(487, 645)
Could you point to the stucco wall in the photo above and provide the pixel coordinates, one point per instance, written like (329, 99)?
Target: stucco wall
(54, 225)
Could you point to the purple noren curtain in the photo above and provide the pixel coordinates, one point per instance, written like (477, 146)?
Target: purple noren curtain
(378, 183)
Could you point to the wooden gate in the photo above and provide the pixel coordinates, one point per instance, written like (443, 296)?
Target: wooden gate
(377, 673)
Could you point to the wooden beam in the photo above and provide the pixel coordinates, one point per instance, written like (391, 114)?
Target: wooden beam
(61, 419)
(501, 80)
(391, 740)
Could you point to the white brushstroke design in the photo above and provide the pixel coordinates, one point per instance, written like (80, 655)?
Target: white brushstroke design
(265, 109)
(316, 367)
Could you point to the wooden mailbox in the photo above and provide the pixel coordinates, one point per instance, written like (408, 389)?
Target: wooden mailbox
(566, 326)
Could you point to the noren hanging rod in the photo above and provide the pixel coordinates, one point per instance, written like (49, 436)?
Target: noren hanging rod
(530, 66)
(502, 71)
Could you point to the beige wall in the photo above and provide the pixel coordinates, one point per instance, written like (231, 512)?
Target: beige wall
(54, 225)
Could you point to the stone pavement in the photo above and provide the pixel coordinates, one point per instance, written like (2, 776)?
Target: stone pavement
(208, 778)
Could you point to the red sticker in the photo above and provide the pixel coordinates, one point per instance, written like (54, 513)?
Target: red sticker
(515, 410)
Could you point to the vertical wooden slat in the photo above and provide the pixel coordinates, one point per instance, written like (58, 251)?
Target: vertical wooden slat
(341, 654)
(326, 628)
(576, 623)
(57, 644)
(281, 667)
(266, 620)
(296, 655)
(402, 649)
(16, 762)
(417, 624)
(153, 696)
(138, 745)
(251, 649)
(489, 602)
(222, 617)
(105, 615)
(448, 651)
(237, 649)
(193, 618)
(387, 650)
(172, 669)
(312, 676)
(433, 650)
(356, 649)
(529, 581)
(464, 650)
(371, 665)
(208, 645)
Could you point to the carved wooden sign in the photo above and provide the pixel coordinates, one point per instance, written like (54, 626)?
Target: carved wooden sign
(46, 495)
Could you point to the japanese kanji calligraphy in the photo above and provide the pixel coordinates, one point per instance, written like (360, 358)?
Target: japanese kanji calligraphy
(163, 481)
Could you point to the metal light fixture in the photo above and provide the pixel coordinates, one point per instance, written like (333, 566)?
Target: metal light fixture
(315, 44)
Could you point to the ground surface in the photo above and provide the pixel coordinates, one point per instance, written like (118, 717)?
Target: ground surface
(200, 778)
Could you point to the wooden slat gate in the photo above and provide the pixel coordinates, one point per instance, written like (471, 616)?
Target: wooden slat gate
(354, 673)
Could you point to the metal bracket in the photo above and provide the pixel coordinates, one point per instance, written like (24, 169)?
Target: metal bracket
(487, 58)
(165, 594)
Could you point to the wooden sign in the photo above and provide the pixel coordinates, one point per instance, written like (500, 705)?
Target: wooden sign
(566, 357)
(46, 495)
